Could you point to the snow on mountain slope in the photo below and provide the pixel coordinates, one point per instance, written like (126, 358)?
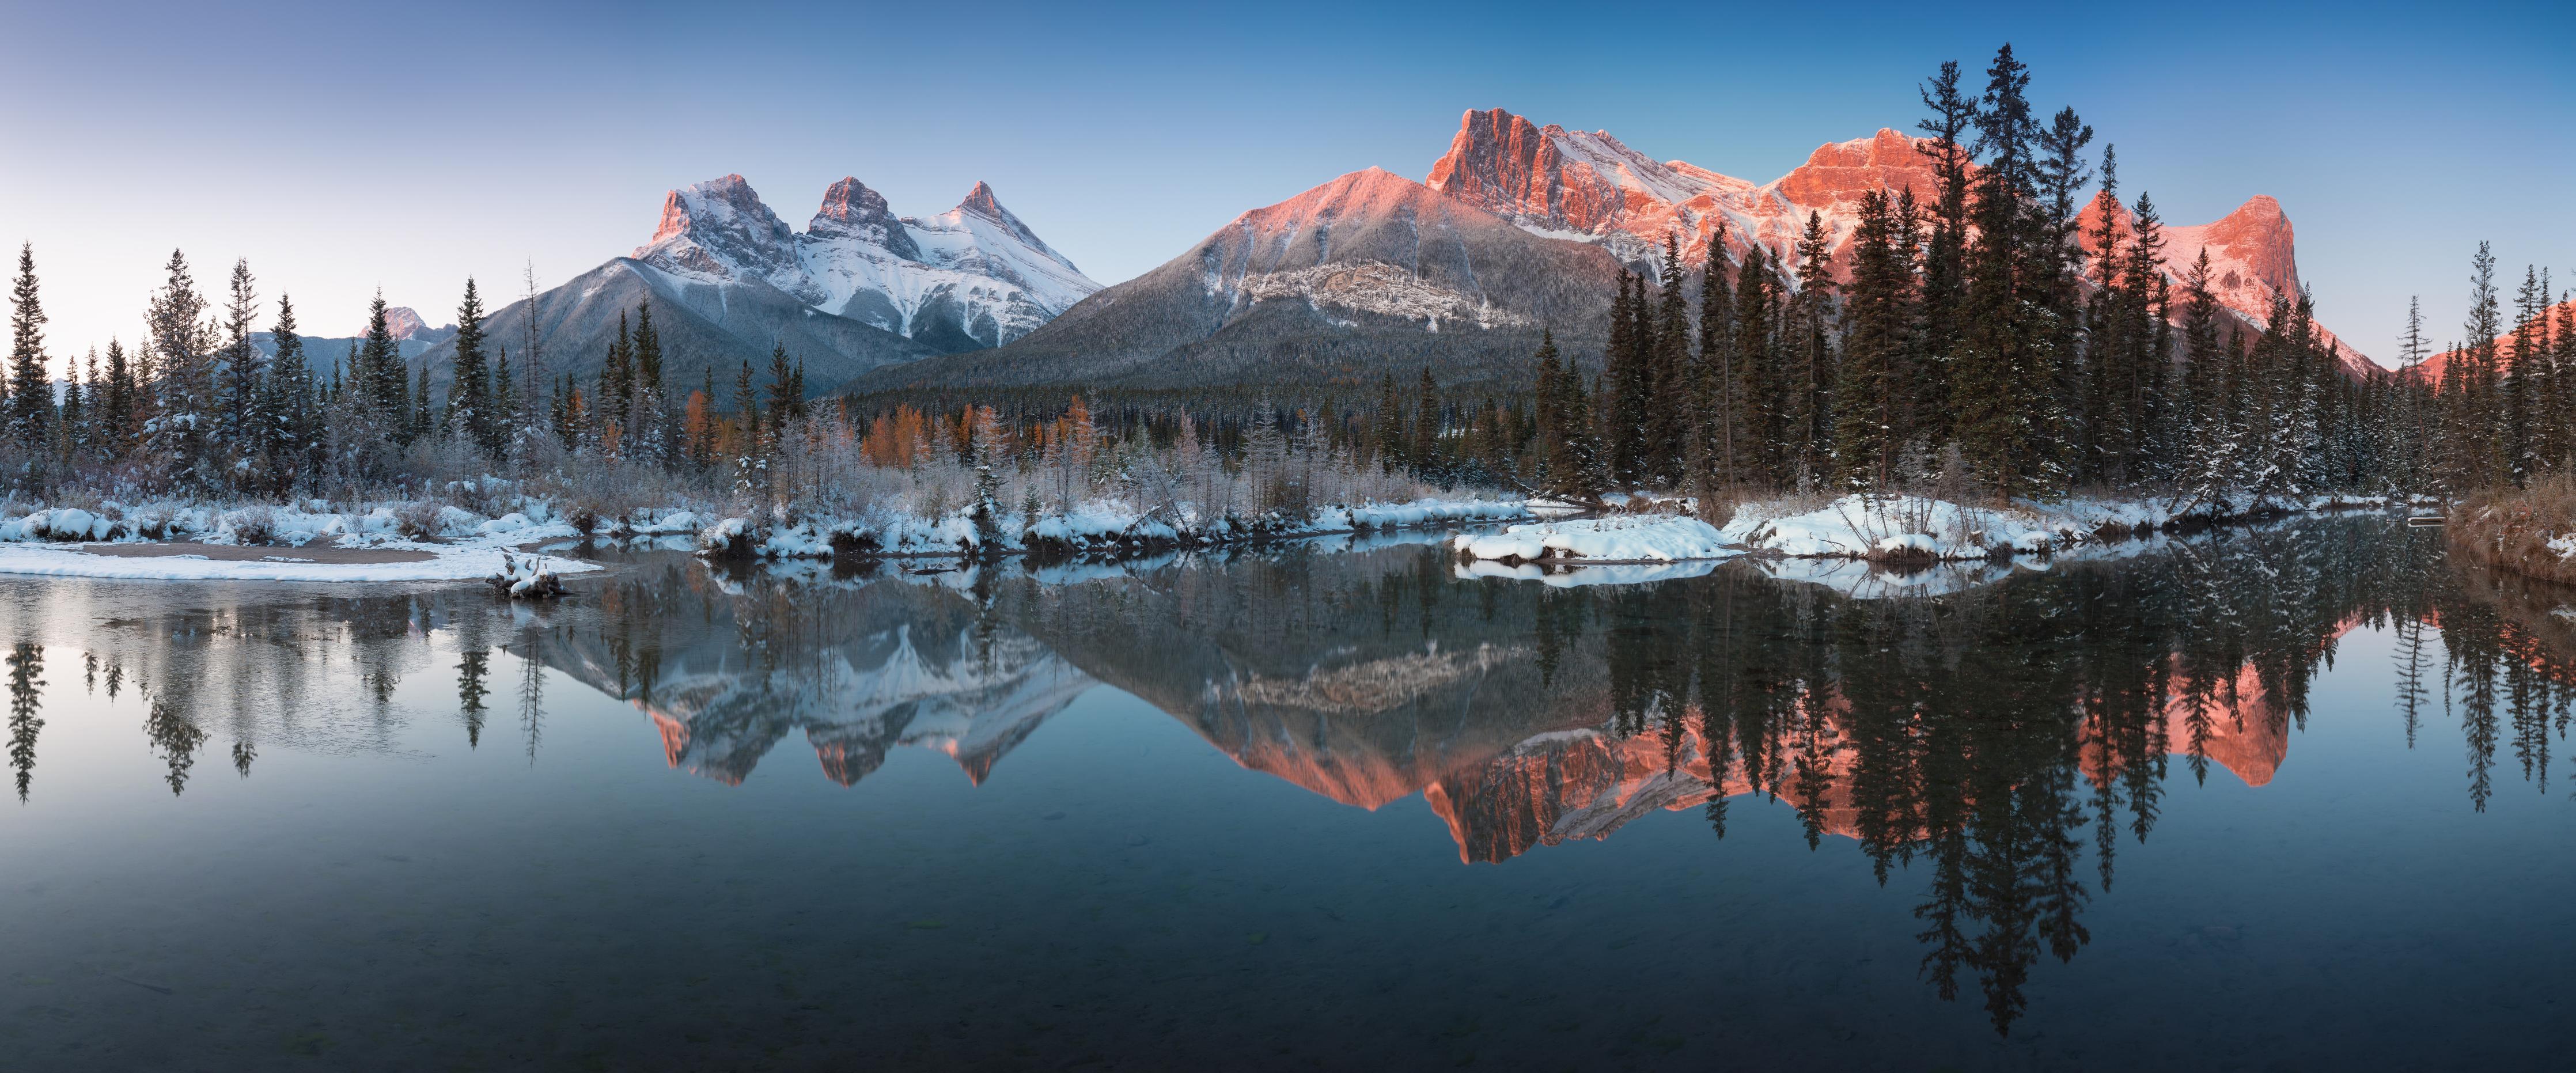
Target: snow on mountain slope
(972, 277)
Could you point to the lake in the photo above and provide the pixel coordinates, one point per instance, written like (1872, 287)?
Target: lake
(2285, 797)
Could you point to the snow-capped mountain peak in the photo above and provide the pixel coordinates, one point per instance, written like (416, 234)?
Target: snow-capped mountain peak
(851, 210)
(972, 277)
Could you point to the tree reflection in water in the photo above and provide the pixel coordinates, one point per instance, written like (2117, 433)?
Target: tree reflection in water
(1984, 743)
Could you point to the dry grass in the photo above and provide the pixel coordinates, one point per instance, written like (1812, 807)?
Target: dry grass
(2510, 528)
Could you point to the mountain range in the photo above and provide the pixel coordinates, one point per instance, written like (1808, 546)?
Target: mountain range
(1518, 227)
(857, 289)
(412, 337)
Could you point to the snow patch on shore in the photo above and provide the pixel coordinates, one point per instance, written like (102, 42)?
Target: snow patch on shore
(1617, 539)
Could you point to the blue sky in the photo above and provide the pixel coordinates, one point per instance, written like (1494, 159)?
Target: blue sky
(345, 147)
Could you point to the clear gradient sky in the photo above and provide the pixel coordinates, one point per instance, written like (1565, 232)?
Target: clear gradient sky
(343, 147)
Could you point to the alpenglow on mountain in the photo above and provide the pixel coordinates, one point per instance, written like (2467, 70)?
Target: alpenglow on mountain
(972, 277)
(1518, 228)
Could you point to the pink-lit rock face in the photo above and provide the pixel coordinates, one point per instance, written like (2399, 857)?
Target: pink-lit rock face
(1589, 185)
(2255, 240)
(403, 322)
(1836, 175)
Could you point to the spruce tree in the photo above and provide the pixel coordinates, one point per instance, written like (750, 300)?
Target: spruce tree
(422, 424)
(1945, 253)
(2132, 443)
(470, 412)
(746, 409)
(1757, 379)
(182, 383)
(1624, 436)
(1548, 456)
(286, 407)
(29, 393)
(381, 415)
(1713, 402)
(1872, 421)
(1394, 446)
(1666, 403)
(1807, 410)
(2478, 420)
(2522, 371)
(242, 434)
(71, 420)
(1430, 451)
(120, 417)
(782, 383)
(610, 403)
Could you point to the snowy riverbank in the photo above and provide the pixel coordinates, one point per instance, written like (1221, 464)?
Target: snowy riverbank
(435, 541)
(1098, 526)
(1878, 528)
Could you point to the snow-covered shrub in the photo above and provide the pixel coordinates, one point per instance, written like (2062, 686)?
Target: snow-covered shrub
(254, 524)
(418, 518)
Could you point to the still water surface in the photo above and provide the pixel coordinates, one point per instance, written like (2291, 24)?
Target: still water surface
(2277, 799)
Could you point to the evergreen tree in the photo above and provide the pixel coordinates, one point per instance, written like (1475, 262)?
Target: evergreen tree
(381, 416)
(470, 410)
(286, 407)
(2524, 369)
(1756, 375)
(241, 432)
(612, 400)
(2477, 419)
(1712, 398)
(1430, 451)
(29, 392)
(1945, 254)
(746, 409)
(183, 381)
(2009, 371)
(421, 408)
(1872, 419)
(648, 350)
(71, 421)
(1394, 446)
(120, 417)
(783, 399)
(1807, 408)
(1549, 454)
(1666, 403)
(1624, 430)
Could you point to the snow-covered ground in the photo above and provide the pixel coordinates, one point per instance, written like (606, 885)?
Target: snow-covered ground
(1094, 526)
(1637, 538)
(429, 541)
(1858, 527)
(410, 543)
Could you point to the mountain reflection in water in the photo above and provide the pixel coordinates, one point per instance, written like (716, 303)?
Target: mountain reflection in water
(1991, 751)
